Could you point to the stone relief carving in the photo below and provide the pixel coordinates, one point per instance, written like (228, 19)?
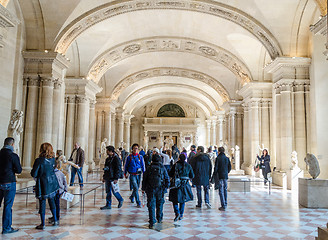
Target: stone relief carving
(312, 162)
(194, 46)
(16, 128)
(169, 72)
(213, 8)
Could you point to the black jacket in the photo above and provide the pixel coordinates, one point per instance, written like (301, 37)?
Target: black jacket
(202, 166)
(222, 166)
(9, 165)
(146, 186)
(113, 168)
(184, 192)
(46, 181)
(266, 163)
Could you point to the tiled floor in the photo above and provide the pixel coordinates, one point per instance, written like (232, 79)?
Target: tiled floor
(254, 215)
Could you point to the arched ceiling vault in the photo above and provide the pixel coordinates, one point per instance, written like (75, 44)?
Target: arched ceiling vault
(177, 89)
(130, 107)
(169, 71)
(67, 36)
(171, 44)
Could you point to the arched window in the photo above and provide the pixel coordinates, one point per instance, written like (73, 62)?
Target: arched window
(171, 110)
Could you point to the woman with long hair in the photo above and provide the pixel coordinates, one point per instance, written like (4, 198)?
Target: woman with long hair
(265, 164)
(46, 185)
(182, 193)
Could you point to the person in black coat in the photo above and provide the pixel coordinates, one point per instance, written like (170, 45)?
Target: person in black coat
(202, 167)
(9, 165)
(220, 176)
(112, 172)
(46, 185)
(265, 164)
(155, 182)
(182, 194)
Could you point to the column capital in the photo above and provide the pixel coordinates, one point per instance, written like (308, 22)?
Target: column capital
(47, 82)
(81, 99)
(32, 81)
(127, 118)
(70, 99)
(289, 68)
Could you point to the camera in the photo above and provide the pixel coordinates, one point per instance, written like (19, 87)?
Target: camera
(106, 168)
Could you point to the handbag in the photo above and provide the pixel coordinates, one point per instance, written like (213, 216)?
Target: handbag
(175, 181)
(257, 165)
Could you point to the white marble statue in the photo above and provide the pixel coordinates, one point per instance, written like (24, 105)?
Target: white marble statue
(103, 153)
(312, 162)
(65, 167)
(237, 158)
(294, 161)
(168, 142)
(16, 127)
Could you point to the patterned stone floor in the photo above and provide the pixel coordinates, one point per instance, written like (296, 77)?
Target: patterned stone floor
(254, 215)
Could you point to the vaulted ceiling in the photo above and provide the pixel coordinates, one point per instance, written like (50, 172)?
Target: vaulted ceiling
(200, 51)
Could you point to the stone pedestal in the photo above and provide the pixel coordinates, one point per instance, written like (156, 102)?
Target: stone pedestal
(322, 233)
(313, 193)
(239, 184)
(292, 178)
(279, 178)
(236, 172)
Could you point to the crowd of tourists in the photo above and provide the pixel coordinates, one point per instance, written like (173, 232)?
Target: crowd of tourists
(156, 170)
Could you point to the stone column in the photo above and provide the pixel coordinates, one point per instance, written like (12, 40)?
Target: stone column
(246, 137)
(120, 132)
(232, 129)
(213, 141)
(278, 128)
(31, 114)
(220, 131)
(127, 132)
(145, 139)
(265, 124)
(239, 138)
(70, 126)
(286, 142)
(300, 127)
(113, 128)
(82, 121)
(91, 140)
(56, 114)
(255, 128)
(208, 132)
(308, 118)
(45, 115)
(108, 124)
(99, 128)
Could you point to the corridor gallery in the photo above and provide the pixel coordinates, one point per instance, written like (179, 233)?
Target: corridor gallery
(243, 74)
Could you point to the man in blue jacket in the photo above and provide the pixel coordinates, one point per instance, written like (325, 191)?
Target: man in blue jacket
(135, 166)
(220, 175)
(9, 165)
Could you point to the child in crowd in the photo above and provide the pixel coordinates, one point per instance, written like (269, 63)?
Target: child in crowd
(62, 188)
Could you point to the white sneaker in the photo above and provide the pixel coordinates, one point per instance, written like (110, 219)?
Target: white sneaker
(208, 205)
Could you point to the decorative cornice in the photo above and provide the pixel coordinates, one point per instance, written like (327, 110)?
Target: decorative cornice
(170, 44)
(320, 27)
(167, 71)
(6, 18)
(106, 11)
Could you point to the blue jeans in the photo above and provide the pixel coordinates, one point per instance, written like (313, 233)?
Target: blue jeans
(206, 193)
(179, 208)
(42, 209)
(223, 186)
(109, 191)
(57, 203)
(135, 183)
(7, 193)
(155, 199)
(79, 175)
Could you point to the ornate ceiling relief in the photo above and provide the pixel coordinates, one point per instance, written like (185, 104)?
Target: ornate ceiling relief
(180, 72)
(140, 46)
(72, 31)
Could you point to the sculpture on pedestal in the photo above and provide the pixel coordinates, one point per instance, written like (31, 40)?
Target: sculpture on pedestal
(103, 153)
(168, 142)
(312, 162)
(294, 161)
(16, 127)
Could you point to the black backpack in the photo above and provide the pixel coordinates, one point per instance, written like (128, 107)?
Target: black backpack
(156, 175)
